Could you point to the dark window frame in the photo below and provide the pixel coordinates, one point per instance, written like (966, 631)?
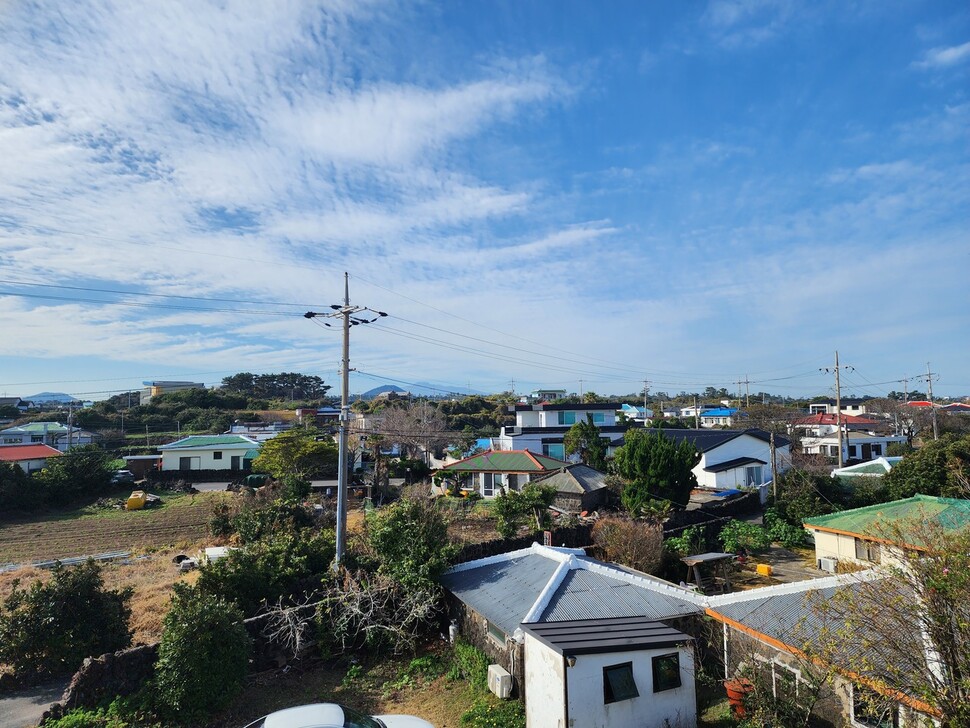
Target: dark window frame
(619, 683)
(217, 455)
(659, 684)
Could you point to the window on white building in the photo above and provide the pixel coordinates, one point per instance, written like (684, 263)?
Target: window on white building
(867, 551)
(753, 475)
(554, 450)
(666, 672)
(567, 418)
(618, 683)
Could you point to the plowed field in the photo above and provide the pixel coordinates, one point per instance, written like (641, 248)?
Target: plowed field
(181, 519)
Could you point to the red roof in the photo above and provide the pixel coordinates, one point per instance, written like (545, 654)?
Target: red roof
(919, 403)
(823, 418)
(17, 453)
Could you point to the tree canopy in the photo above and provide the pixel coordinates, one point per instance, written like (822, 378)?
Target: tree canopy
(285, 385)
(940, 468)
(655, 468)
(585, 439)
(299, 453)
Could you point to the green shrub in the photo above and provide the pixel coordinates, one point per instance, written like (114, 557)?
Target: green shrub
(409, 538)
(50, 628)
(203, 656)
(489, 712)
(120, 714)
(691, 540)
(276, 566)
(741, 534)
(279, 516)
(787, 534)
(469, 663)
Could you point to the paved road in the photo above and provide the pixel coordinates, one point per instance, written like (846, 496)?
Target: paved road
(23, 709)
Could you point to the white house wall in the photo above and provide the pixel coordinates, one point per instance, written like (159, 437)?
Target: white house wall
(544, 704)
(203, 459)
(675, 707)
(744, 446)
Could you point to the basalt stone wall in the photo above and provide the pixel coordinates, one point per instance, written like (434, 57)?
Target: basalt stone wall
(123, 673)
(572, 536)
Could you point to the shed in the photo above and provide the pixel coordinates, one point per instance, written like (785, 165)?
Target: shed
(620, 672)
(578, 487)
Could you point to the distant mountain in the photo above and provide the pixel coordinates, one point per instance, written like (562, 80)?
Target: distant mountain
(371, 393)
(420, 389)
(51, 397)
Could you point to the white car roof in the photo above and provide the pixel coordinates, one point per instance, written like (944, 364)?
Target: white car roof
(306, 716)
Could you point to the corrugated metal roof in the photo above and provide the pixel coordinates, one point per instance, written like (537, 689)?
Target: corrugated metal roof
(594, 636)
(506, 461)
(950, 513)
(36, 451)
(506, 590)
(575, 479)
(202, 441)
(502, 592)
(587, 595)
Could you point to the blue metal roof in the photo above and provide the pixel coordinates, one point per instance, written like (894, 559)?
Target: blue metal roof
(720, 412)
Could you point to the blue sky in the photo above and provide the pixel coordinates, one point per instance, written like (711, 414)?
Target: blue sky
(564, 194)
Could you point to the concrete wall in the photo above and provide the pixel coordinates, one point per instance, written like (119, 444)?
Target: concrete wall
(473, 628)
(546, 706)
(674, 708)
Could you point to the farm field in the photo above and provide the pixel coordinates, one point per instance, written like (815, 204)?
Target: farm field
(181, 519)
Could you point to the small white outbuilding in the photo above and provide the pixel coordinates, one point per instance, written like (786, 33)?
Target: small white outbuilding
(622, 672)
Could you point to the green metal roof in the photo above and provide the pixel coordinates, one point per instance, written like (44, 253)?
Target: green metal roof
(251, 454)
(506, 461)
(40, 427)
(953, 514)
(204, 441)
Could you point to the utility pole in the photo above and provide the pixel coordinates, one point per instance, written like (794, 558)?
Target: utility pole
(774, 468)
(747, 392)
(646, 387)
(697, 416)
(70, 425)
(838, 403)
(346, 312)
(929, 392)
(580, 389)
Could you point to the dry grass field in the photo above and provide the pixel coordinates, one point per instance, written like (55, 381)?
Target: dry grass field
(182, 519)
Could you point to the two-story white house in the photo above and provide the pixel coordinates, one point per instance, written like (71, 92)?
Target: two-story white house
(733, 459)
(56, 435)
(850, 406)
(541, 427)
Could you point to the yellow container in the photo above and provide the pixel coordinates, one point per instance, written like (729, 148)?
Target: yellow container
(136, 501)
(764, 569)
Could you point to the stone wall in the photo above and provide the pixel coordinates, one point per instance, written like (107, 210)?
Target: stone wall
(123, 673)
(572, 536)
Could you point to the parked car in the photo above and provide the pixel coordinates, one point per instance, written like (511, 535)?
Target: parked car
(332, 715)
(122, 476)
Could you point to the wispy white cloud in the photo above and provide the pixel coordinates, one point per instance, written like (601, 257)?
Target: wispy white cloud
(944, 57)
